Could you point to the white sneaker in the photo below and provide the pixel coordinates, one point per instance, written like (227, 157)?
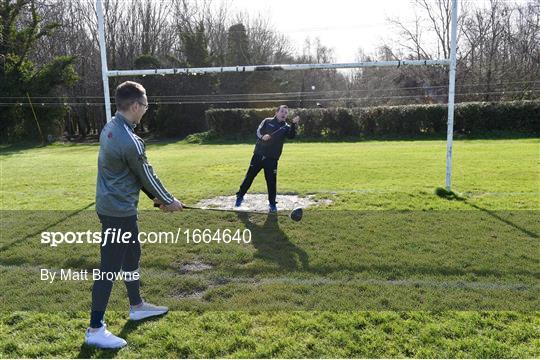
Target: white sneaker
(103, 338)
(146, 310)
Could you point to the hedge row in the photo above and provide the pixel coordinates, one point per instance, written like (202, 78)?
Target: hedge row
(469, 118)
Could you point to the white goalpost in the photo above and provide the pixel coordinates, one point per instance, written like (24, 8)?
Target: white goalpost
(451, 63)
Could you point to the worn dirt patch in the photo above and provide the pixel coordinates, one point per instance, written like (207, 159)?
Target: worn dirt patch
(259, 202)
(194, 267)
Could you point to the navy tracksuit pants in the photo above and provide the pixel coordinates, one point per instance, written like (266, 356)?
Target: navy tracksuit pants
(259, 162)
(116, 257)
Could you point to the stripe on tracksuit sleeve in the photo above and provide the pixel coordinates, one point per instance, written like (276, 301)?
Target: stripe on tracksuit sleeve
(145, 172)
(259, 135)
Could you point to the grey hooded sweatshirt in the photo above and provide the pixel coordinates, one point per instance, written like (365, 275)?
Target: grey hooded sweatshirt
(123, 171)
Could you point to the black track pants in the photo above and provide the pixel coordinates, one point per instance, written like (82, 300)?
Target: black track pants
(115, 257)
(257, 163)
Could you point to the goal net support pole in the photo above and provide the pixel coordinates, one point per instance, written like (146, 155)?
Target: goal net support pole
(103, 53)
(451, 96)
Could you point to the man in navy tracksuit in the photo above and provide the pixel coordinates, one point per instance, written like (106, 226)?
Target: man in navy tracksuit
(271, 134)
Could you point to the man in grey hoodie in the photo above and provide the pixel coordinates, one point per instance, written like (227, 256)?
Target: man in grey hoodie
(123, 171)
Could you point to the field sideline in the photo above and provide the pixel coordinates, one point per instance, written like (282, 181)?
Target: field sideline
(388, 269)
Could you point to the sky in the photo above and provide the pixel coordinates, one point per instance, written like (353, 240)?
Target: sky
(344, 25)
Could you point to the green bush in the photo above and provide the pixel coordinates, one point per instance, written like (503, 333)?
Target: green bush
(172, 120)
(311, 124)
(515, 116)
(236, 123)
(407, 120)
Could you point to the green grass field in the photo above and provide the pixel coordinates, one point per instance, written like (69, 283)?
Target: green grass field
(388, 269)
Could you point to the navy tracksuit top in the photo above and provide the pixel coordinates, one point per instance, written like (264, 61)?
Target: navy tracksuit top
(272, 148)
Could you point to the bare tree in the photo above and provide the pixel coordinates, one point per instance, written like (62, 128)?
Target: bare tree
(501, 45)
(430, 23)
(411, 38)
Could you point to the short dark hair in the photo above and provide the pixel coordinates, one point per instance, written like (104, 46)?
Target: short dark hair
(281, 106)
(127, 93)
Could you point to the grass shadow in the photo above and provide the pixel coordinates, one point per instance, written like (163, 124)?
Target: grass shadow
(15, 148)
(130, 326)
(396, 272)
(87, 352)
(46, 227)
(452, 196)
(273, 245)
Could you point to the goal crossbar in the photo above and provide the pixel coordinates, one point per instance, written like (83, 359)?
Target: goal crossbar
(280, 67)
